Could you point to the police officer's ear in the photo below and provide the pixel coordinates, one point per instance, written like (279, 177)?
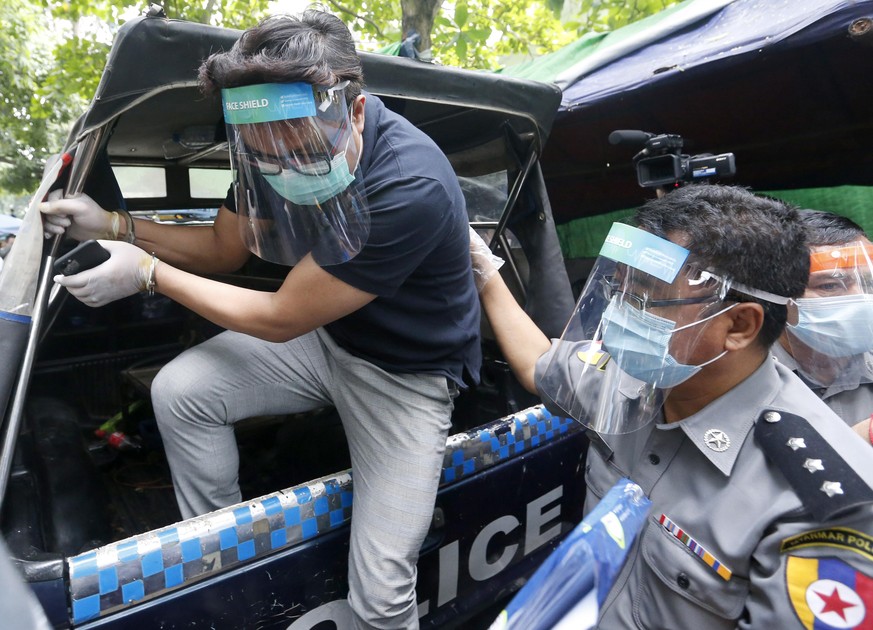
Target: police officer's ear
(746, 319)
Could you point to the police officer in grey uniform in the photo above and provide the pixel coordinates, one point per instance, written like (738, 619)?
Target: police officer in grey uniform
(762, 498)
(850, 397)
(828, 342)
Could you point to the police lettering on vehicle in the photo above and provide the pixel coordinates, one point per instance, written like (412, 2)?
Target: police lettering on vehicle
(541, 525)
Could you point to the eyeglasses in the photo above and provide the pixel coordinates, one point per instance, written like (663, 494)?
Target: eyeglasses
(303, 162)
(310, 164)
(611, 287)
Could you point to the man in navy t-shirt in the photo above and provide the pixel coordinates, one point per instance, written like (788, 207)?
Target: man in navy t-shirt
(386, 337)
(425, 316)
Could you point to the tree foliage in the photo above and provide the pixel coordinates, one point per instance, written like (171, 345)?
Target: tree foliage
(466, 33)
(51, 59)
(608, 15)
(24, 62)
(53, 51)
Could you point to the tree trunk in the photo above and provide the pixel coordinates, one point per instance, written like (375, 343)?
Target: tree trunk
(418, 15)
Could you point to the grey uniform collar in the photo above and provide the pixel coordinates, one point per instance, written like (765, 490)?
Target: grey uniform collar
(720, 429)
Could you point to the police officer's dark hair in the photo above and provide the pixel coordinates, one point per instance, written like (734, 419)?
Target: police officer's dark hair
(316, 48)
(753, 240)
(827, 228)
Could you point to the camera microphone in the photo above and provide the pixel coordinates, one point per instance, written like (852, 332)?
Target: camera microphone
(629, 136)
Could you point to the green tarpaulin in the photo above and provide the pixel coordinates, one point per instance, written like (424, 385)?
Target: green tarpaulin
(582, 238)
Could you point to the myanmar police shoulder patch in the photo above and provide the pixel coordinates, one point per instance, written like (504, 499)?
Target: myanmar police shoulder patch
(829, 593)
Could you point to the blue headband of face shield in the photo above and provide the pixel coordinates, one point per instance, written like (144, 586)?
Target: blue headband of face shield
(270, 102)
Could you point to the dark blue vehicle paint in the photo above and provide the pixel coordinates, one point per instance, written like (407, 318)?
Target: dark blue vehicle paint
(530, 503)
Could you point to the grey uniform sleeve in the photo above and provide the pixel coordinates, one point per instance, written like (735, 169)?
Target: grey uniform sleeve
(814, 567)
(809, 574)
(558, 378)
(548, 385)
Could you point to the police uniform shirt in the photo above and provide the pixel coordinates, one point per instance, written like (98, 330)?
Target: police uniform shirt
(755, 523)
(851, 398)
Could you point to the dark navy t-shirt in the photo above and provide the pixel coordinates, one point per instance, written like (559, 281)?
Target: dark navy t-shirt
(425, 317)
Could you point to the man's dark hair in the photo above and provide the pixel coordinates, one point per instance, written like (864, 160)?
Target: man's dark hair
(827, 228)
(316, 48)
(753, 240)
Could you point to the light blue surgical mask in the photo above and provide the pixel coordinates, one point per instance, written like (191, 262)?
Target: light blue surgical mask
(837, 326)
(311, 190)
(639, 342)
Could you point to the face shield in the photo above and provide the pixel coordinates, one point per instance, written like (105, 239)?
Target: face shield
(637, 331)
(294, 155)
(833, 321)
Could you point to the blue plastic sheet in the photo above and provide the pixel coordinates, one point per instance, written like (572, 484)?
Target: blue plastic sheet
(741, 27)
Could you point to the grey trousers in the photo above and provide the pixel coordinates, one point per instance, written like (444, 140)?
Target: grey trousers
(396, 426)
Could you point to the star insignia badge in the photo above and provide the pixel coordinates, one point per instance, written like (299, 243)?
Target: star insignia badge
(832, 488)
(813, 465)
(796, 443)
(717, 440)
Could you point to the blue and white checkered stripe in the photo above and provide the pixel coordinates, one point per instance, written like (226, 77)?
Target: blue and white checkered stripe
(467, 453)
(138, 568)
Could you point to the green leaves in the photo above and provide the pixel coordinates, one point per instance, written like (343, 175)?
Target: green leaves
(25, 60)
(609, 15)
(51, 58)
(461, 14)
(481, 33)
(46, 81)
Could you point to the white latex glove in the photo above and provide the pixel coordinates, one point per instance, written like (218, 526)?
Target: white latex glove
(125, 273)
(485, 263)
(79, 216)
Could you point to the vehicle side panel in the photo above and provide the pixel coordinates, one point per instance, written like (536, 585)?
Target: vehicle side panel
(511, 489)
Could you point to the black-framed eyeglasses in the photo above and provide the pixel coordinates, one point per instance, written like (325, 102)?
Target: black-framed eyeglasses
(309, 164)
(611, 287)
(306, 163)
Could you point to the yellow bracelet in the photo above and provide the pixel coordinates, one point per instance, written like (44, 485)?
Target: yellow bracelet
(114, 226)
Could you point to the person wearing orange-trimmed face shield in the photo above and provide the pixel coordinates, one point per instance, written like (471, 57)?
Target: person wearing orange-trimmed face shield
(829, 338)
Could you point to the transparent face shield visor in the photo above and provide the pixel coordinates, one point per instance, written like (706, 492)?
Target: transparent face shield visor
(830, 328)
(636, 332)
(294, 156)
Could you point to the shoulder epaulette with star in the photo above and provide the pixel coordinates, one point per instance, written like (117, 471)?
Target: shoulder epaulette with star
(822, 479)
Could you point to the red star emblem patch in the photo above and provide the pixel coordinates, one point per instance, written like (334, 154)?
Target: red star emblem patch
(829, 593)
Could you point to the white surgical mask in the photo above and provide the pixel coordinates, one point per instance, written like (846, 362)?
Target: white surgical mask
(838, 326)
(639, 342)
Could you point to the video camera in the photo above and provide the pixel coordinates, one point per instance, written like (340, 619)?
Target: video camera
(662, 163)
